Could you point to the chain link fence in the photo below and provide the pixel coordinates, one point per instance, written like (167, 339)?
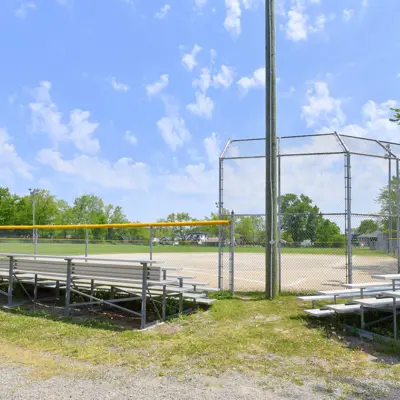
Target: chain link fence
(338, 210)
(195, 249)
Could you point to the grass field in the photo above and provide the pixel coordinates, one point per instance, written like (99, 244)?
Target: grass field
(271, 339)
(106, 248)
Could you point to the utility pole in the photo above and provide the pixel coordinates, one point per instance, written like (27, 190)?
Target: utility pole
(271, 245)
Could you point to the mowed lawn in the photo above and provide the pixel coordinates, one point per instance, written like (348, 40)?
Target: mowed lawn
(108, 248)
(270, 339)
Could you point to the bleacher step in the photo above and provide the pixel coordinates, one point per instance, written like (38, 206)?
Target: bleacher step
(319, 313)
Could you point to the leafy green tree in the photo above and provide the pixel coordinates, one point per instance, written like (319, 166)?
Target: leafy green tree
(396, 115)
(250, 229)
(386, 200)
(287, 237)
(181, 231)
(299, 217)
(327, 233)
(367, 226)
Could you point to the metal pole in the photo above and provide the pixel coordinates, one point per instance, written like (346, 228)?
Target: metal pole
(10, 281)
(86, 243)
(397, 215)
(349, 233)
(68, 287)
(151, 243)
(279, 221)
(34, 230)
(232, 257)
(271, 262)
(220, 239)
(143, 314)
(390, 227)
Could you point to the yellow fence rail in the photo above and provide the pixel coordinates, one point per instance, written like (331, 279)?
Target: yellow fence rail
(130, 225)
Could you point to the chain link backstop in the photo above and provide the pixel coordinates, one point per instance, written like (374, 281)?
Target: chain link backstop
(338, 209)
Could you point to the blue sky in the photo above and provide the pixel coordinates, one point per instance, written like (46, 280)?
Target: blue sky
(133, 100)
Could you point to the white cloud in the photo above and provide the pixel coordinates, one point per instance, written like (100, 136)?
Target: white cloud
(163, 12)
(123, 174)
(47, 119)
(232, 19)
(130, 138)
(200, 3)
(81, 131)
(158, 86)
(347, 14)
(22, 11)
(256, 80)
(204, 81)
(203, 107)
(212, 148)
(296, 27)
(45, 116)
(364, 3)
(189, 59)
(172, 127)
(320, 21)
(118, 86)
(224, 78)
(398, 75)
(10, 162)
(322, 107)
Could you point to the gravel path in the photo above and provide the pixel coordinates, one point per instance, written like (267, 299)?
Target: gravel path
(122, 384)
(17, 384)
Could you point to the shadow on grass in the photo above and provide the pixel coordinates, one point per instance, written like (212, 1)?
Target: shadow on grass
(99, 317)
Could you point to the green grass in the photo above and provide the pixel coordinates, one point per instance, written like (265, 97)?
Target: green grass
(255, 336)
(106, 248)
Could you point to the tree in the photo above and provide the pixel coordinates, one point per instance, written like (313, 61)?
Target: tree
(181, 231)
(299, 217)
(367, 226)
(396, 116)
(250, 229)
(63, 217)
(387, 200)
(327, 233)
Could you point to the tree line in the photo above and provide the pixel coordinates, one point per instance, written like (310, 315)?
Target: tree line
(301, 220)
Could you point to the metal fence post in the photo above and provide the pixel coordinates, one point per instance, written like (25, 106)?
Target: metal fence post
(220, 236)
(35, 242)
(279, 220)
(86, 243)
(143, 316)
(68, 287)
(349, 232)
(390, 222)
(10, 281)
(151, 243)
(397, 215)
(232, 256)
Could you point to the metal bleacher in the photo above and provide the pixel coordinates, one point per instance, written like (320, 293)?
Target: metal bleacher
(123, 281)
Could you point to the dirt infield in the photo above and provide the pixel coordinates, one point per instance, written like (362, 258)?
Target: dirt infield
(300, 272)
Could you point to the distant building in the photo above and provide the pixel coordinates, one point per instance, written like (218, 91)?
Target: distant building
(377, 240)
(197, 237)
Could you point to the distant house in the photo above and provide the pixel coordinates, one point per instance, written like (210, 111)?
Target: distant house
(377, 240)
(197, 237)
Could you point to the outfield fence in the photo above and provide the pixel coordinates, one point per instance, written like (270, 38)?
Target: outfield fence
(203, 249)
